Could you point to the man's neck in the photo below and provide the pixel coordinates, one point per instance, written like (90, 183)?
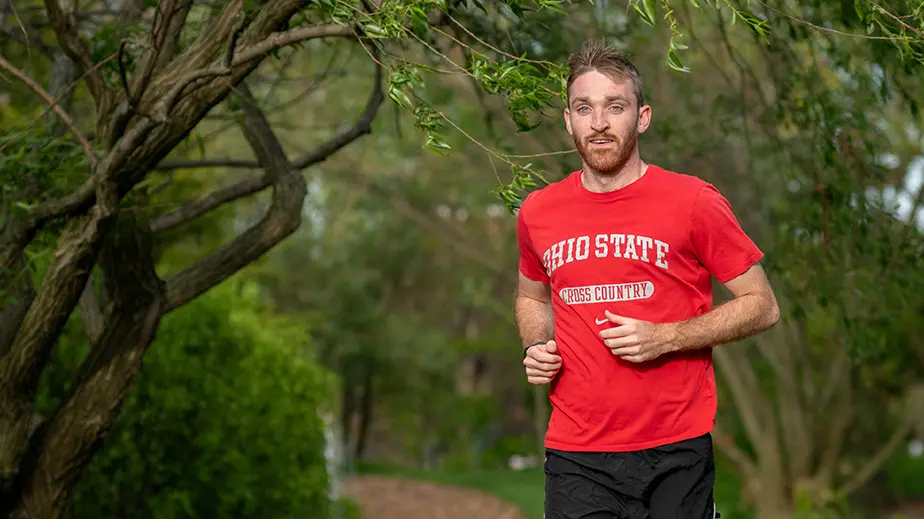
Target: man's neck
(600, 183)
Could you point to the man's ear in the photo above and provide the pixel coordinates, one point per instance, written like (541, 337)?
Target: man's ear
(568, 121)
(644, 118)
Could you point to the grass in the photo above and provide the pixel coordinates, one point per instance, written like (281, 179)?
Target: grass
(525, 489)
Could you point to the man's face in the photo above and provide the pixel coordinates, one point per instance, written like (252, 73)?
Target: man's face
(604, 119)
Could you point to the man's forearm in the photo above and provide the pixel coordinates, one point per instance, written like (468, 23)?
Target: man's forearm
(739, 318)
(535, 320)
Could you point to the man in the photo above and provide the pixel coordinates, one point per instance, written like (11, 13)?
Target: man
(614, 308)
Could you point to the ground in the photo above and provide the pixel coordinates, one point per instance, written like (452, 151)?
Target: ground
(384, 497)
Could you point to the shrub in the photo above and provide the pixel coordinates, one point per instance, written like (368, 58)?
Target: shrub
(224, 420)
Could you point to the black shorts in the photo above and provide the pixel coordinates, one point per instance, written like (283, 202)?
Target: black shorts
(669, 482)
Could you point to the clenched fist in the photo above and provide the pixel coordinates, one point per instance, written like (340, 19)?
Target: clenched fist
(635, 340)
(542, 363)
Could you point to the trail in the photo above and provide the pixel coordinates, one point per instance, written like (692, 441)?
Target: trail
(383, 497)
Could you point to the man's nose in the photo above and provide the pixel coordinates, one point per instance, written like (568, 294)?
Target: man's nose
(599, 123)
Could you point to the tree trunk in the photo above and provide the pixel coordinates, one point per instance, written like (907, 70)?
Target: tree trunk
(366, 409)
(61, 448)
(347, 409)
(21, 366)
(769, 503)
(16, 285)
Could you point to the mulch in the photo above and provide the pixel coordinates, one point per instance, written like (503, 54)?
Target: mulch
(382, 497)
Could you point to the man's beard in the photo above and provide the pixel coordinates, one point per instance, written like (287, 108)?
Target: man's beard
(608, 161)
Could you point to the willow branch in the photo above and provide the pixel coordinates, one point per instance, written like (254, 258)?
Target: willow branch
(84, 143)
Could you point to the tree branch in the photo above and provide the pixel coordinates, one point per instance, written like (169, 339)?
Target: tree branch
(279, 221)
(21, 366)
(245, 57)
(131, 11)
(252, 185)
(866, 472)
(215, 199)
(91, 312)
(838, 368)
(727, 445)
(17, 284)
(54, 105)
(169, 20)
(746, 397)
(776, 348)
(841, 417)
(207, 163)
(77, 50)
(282, 39)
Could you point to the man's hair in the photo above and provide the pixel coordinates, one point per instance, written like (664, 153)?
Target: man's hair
(595, 55)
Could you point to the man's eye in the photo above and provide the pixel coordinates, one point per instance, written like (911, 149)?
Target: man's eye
(617, 108)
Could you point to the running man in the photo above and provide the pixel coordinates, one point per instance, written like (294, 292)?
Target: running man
(614, 309)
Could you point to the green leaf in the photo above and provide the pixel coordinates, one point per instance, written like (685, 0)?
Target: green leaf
(374, 31)
(649, 8)
(514, 6)
(674, 62)
(645, 11)
(399, 97)
(437, 145)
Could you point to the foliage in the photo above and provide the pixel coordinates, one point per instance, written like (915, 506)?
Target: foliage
(224, 419)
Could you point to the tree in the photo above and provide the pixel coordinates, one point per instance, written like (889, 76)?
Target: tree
(147, 96)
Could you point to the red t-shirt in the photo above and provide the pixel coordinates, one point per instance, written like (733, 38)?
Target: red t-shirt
(645, 251)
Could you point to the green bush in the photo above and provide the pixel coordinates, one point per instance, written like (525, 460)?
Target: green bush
(223, 421)
(906, 475)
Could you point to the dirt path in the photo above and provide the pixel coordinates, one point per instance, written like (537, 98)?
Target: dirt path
(396, 498)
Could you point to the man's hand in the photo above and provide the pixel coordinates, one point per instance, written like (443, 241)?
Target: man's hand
(542, 363)
(635, 340)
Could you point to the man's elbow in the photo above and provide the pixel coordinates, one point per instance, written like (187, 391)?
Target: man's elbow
(529, 298)
(771, 311)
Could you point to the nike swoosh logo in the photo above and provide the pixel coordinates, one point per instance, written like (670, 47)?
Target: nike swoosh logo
(600, 321)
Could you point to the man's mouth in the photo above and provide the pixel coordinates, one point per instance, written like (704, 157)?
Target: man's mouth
(601, 141)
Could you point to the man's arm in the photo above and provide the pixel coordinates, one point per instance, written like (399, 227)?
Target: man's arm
(752, 310)
(533, 309)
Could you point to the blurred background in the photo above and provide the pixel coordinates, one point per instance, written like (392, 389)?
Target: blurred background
(368, 365)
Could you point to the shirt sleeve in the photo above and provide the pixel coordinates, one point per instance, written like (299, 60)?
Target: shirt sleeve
(530, 263)
(719, 242)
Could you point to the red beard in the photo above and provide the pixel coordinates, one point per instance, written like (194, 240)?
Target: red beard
(610, 159)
